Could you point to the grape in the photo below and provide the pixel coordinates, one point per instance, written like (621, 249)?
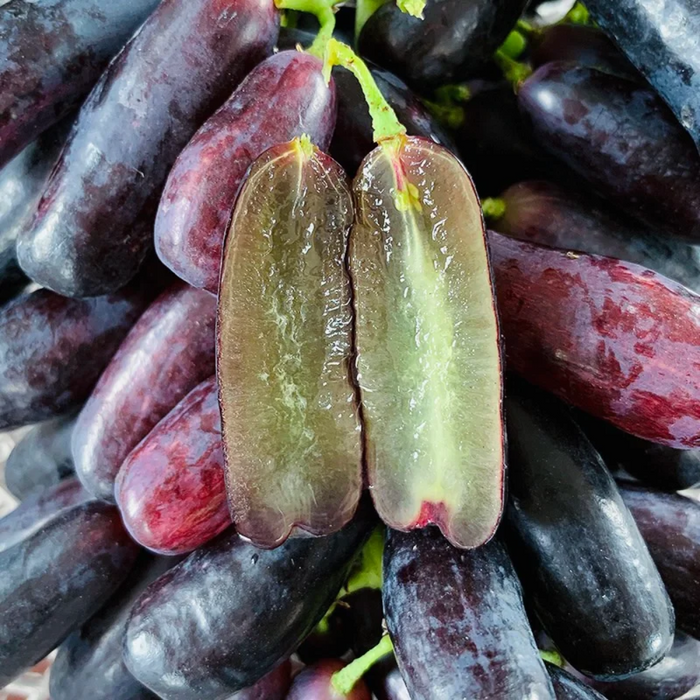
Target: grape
(386, 682)
(453, 41)
(427, 340)
(229, 613)
(366, 614)
(670, 525)
(51, 53)
(283, 97)
(93, 225)
(273, 686)
(567, 687)
(672, 677)
(620, 137)
(42, 506)
(42, 458)
(289, 411)
(579, 555)
(604, 335)
(545, 213)
(330, 640)
(171, 487)
(661, 40)
(167, 353)
(458, 622)
(57, 578)
(89, 663)
(53, 349)
(314, 683)
(660, 466)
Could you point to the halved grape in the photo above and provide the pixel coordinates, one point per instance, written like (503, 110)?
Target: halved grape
(428, 353)
(290, 419)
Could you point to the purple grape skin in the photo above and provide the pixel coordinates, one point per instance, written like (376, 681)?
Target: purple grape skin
(283, 97)
(273, 686)
(575, 546)
(458, 622)
(314, 682)
(670, 525)
(42, 458)
(568, 687)
(454, 39)
(56, 579)
(676, 674)
(51, 54)
(89, 663)
(33, 513)
(545, 213)
(93, 226)
(253, 608)
(167, 353)
(620, 137)
(53, 349)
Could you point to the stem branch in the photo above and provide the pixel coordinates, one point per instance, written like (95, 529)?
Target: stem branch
(344, 680)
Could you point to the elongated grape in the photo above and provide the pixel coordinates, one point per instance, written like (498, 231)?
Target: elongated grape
(54, 580)
(41, 458)
(428, 355)
(604, 335)
(228, 614)
(283, 97)
(568, 687)
(289, 411)
(167, 353)
(575, 546)
(94, 223)
(51, 53)
(458, 622)
(171, 489)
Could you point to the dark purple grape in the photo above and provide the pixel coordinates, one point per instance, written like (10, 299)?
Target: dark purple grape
(41, 458)
(454, 40)
(660, 39)
(622, 138)
(386, 682)
(366, 613)
(457, 621)
(89, 663)
(229, 613)
(167, 353)
(314, 683)
(545, 213)
(53, 349)
(94, 222)
(330, 639)
(51, 53)
(579, 555)
(583, 45)
(660, 466)
(56, 579)
(568, 687)
(273, 686)
(670, 525)
(42, 506)
(672, 677)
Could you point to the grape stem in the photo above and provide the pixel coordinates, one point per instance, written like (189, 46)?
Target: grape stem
(553, 656)
(363, 11)
(324, 10)
(493, 207)
(412, 7)
(344, 681)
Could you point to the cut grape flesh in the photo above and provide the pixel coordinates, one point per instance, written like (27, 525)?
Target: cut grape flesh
(427, 341)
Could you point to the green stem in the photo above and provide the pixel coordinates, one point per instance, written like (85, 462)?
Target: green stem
(513, 71)
(344, 680)
(323, 10)
(527, 29)
(493, 207)
(363, 11)
(368, 571)
(578, 14)
(450, 115)
(514, 45)
(412, 7)
(388, 130)
(553, 656)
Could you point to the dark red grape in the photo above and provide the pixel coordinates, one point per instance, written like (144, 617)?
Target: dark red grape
(171, 489)
(283, 97)
(604, 335)
(34, 512)
(575, 546)
(568, 687)
(51, 53)
(41, 458)
(167, 353)
(542, 212)
(454, 39)
(622, 138)
(56, 579)
(94, 222)
(670, 525)
(273, 686)
(228, 614)
(457, 621)
(53, 349)
(314, 683)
